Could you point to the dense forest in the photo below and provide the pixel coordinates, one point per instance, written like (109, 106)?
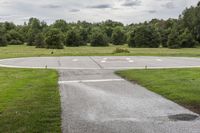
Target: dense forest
(183, 32)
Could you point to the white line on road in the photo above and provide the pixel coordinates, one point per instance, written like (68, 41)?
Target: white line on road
(159, 60)
(89, 81)
(75, 60)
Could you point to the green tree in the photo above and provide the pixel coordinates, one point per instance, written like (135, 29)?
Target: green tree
(34, 27)
(61, 25)
(9, 26)
(118, 36)
(40, 41)
(98, 38)
(187, 40)
(3, 40)
(84, 34)
(14, 37)
(54, 39)
(145, 37)
(191, 20)
(73, 39)
(131, 39)
(173, 40)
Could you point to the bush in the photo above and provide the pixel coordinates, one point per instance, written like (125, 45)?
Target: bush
(15, 42)
(121, 50)
(54, 39)
(98, 38)
(118, 36)
(73, 39)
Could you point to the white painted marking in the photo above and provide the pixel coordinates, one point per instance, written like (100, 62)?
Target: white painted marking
(128, 58)
(159, 60)
(105, 58)
(75, 60)
(130, 61)
(89, 81)
(103, 61)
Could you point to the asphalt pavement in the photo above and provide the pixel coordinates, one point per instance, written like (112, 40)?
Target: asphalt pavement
(95, 100)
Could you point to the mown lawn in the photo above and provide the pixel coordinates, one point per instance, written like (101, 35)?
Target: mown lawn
(29, 101)
(13, 51)
(179, 85)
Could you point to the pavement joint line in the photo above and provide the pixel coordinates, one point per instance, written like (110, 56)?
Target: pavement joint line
(96, 62)
(90, 81)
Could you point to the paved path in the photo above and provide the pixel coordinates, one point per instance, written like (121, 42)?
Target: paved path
(95, 100)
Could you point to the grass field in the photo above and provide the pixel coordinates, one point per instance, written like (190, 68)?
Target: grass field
(13, 51)
(179, 85)
(29, 101)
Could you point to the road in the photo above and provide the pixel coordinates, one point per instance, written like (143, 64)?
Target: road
(95, 100)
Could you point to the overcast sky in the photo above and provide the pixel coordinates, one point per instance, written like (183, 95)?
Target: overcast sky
(126, 11)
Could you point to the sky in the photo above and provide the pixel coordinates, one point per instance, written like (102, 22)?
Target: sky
(125, 11)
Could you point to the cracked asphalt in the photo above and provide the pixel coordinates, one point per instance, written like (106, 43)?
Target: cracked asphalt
(95, 100)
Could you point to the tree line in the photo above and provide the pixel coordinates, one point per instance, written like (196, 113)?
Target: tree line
(183, 32)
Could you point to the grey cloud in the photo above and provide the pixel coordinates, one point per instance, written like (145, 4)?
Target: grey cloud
(152, 11)
(52, 6)
(102, 6)
(74, 10)
(169, 5)
(132, 3)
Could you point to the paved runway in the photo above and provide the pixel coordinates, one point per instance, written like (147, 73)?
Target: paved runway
(95, 100)
(101, 62)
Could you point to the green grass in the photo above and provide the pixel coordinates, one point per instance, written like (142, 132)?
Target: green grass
(179, 85)
(29, 101)
(13, 51)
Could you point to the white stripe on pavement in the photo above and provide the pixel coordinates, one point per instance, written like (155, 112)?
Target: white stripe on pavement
(89, 81)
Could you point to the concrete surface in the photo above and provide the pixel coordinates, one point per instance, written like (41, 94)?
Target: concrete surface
(95, 100)
(109, 62)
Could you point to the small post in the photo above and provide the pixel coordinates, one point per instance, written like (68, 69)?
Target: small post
(46, 67)
(146, 67)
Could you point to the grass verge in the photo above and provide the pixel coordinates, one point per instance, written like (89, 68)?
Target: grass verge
(29, 101)
(13, 51)
(179, 85)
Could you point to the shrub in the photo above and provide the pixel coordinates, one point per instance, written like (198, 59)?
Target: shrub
(121, 50)
(15, 42)
(54, 39)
